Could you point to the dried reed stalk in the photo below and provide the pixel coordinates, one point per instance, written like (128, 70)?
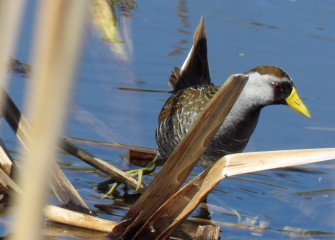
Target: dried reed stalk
(183, 159)
(57, 231)
(6, 163)
(72, 218)
(57, 214)
(138, 156)
(10, 19)
(61, 186)
(56, 50)
(177, 208)
(65, 194)
(117, 174)
(206, 232)
(7, 185)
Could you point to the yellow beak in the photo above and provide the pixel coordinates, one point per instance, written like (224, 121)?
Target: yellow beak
(296, 103)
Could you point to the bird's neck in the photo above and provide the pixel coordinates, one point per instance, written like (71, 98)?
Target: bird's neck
(243, 118)
(238, 127)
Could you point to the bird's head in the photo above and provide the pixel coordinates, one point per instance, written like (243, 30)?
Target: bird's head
(271, 85)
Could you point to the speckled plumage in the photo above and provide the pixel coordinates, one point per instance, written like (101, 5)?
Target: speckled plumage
(182, 109)
(184, 106)
(193, 89)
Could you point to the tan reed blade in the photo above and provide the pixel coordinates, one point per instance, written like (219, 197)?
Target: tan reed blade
(181, 162)
(57, 44)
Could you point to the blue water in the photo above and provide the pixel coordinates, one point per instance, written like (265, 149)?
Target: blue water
(296, 35)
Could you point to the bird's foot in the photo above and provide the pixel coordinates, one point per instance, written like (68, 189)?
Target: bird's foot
(139, 173)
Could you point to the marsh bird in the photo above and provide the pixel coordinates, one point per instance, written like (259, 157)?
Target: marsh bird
(193, 89)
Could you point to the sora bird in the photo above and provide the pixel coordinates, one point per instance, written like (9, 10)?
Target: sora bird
(193, 89)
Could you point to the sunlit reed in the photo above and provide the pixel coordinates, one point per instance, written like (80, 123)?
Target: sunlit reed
(10, 19)
(57, 43)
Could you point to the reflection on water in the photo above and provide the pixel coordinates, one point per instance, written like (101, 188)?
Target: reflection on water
(183, 44)
(141, 90)
(264, 25)
(112, 19)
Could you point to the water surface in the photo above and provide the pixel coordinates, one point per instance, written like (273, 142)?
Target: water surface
(154, 37)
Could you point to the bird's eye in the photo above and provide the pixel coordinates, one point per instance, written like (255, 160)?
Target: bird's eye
(277, 86)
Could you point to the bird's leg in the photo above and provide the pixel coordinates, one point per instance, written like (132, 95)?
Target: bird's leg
(151, 167)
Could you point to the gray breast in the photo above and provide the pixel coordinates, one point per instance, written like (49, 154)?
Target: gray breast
(232, 137)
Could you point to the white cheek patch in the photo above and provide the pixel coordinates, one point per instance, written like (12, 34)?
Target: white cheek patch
(259, 88)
